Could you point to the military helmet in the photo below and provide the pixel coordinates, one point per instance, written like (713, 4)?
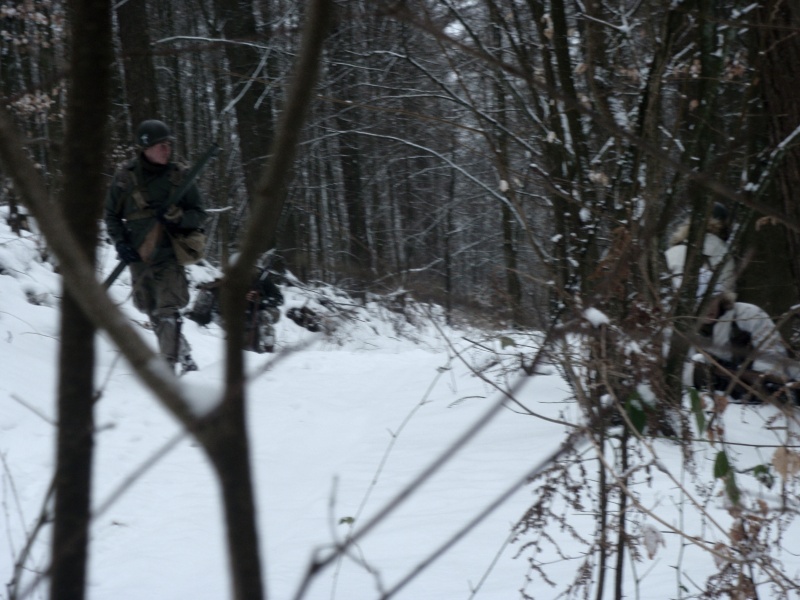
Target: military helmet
(152, 132)
(720, 212)
(720, 222)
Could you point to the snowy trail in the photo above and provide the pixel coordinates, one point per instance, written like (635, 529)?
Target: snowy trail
(337, 430)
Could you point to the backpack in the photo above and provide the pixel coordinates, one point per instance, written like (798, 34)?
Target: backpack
(202, 311)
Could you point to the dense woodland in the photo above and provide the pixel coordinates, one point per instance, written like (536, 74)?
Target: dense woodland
(479, 153)
(520, 160)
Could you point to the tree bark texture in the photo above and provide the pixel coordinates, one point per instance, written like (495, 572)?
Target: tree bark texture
(141, 87)
(350, 156)
(772, 278)
(226, 439)
(252, 81)
(83, 191)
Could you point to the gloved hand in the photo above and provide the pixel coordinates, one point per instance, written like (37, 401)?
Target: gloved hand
(127, 253)
(172, 218)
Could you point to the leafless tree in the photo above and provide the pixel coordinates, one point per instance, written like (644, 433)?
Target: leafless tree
(223, 432)
(525, 159)
(83, 191)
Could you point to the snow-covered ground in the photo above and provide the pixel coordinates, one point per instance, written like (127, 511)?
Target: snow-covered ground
(338, 428)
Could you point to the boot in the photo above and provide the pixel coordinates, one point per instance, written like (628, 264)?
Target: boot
(184, 356)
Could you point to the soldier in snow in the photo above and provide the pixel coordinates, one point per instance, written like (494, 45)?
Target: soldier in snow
(263, 299)
(739, 349)
(743, 354)
(716, 254)
(140, 214)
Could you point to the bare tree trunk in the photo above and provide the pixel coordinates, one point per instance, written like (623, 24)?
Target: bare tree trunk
(448, 250)
(359, 253)
(603, 491)
(226, 440)
(141, 90)
(89, 96)
(513, 287)
(347, 122)
(772, 279)
(622, 532)
(249, 76)
(227, 445)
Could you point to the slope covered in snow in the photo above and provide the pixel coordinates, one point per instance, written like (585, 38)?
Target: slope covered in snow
(341, 421)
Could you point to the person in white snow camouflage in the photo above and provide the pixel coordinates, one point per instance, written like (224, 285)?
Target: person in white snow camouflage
(743, 353)
(716, 254)
(740, 350)
(140, 217)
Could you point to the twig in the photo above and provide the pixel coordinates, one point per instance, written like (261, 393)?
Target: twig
(384, 459)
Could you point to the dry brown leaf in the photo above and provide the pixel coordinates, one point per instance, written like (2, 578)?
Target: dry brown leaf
(720, 561)
(786, 462)
(737, 532)
(721, 402)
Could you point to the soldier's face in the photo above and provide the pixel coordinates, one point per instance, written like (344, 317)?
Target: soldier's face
(159, 153)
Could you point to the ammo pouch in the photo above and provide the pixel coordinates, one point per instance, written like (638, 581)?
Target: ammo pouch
(189, 247)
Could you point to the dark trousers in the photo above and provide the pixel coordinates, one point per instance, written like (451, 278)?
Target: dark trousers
(726, 377)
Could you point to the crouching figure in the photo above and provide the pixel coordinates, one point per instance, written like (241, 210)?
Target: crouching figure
(744, 355)
(263, 299)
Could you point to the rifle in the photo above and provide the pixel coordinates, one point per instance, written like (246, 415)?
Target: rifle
(255, 334)
(154, 234)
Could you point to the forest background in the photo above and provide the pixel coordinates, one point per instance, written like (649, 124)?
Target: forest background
(516, 161)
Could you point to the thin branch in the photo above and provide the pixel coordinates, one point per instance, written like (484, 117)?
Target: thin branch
(81, 279)
(572, 443)
(401, 12)
(319, 564)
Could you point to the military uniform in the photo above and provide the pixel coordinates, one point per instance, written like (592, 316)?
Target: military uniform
(135, 206)
(261, 315)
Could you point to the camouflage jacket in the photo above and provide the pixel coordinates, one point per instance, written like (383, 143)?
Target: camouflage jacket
(137, 193)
